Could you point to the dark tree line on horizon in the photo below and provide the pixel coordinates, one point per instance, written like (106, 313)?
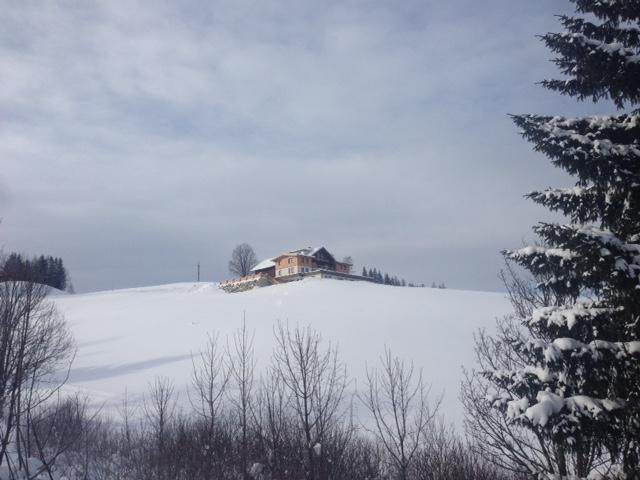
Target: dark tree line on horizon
(385, 279)
(44, 270)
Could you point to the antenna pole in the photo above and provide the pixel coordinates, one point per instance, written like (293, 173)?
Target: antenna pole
(198, 271)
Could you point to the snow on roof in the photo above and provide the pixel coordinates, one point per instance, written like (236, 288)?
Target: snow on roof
(264, 264)
(307, 251)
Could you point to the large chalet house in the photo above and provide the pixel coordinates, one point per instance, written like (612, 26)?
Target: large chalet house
(295, 265)
(302, 262)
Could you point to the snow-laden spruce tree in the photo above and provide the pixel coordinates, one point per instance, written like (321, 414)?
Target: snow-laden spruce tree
(578, 386)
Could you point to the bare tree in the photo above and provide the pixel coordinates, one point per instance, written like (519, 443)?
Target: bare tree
(35, 345)
(242, 364)
(159, 408)
(316, 380)
(243, 259)
(210, 376)
(63, 428)
(397, 399)
(445, 456)
(502, 442)
(272, 420)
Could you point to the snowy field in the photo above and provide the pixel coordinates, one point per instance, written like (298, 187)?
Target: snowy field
(126, 338)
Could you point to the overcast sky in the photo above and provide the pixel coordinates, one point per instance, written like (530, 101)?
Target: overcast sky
(138, 138)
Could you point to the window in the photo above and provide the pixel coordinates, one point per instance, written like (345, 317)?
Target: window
(290, 270)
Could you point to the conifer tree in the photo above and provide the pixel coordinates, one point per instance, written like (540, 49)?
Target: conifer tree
(580, 386)
(60, 275)
(40, 268)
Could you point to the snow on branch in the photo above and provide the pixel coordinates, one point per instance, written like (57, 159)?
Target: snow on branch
(628, 55)
(569, 316)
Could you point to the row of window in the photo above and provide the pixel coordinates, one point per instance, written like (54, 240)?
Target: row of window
(306, 260)
(292, 270)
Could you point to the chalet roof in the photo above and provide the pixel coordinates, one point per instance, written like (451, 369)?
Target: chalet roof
(307, 251)
(304, 252)
(268, 263)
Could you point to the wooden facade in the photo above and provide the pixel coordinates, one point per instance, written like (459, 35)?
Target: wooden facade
(302, 262)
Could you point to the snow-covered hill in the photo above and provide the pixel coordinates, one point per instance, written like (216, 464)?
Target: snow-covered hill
(128, 337)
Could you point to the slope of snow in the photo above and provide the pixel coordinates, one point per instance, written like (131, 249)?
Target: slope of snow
(126, 338)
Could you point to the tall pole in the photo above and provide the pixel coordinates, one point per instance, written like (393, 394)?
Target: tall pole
(198, 271)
